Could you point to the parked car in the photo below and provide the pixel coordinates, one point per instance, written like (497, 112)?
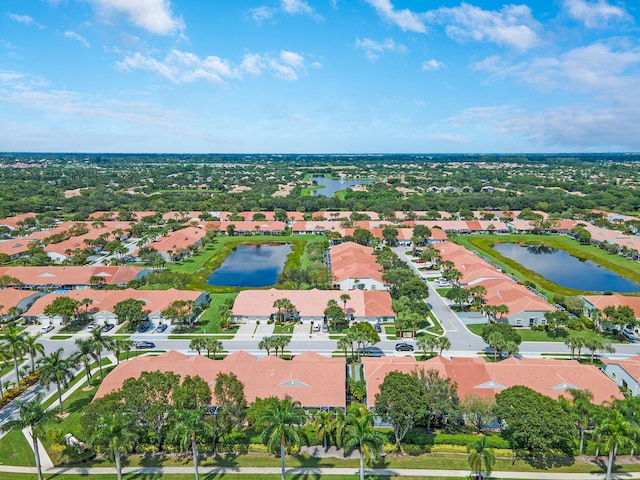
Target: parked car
(325, 328)
(161, 328)
(377, 328)
(143, 328)
(142, 344)
(107, 327)
(46, 328)
(92, 326)
(404, 347)
(316, 327)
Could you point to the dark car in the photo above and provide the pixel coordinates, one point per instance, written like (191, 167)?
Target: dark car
(107, 327)
(377, 328)
(145, 345)
(143, 328)
(161, 328)
(404, 347)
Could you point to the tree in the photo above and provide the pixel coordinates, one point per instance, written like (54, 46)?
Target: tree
(498, 335)
(280, 424)
(534, 423)
(32, 346)
(100, 342)
(427, 342)
(575, 342)
(130, 310)
(344, 298)
(283, 306)
(197, 344)
(193, 393)
(401, 402)
(480, 456)
(335, 315)
(231, 405)
(212, 345)
(614, 432)
(32, 415)
(84, 355)
(115, 434)
(458, 295)
(361, 435)
(322, 422)
(56, 369)
(122, 345)
(64, 307)
(478, 411)
(555, 320)
(189, 422)
(12, 340)
(266, 344)
(581, 408)
(443, 343)
(390, 235)
(441, 395)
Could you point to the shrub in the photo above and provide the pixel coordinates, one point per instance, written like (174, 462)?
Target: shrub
(416, 449)
(448, 448)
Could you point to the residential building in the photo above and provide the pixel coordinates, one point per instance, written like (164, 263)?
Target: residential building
(355, 266)
(624, 372)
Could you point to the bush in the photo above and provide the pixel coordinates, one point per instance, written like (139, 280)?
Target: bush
(416, 449)
(418, 437)
(492, 441)
(448, 448)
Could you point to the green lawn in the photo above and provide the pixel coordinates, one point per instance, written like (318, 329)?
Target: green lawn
(61, 337)
(209, 321)
(15, 450)
(529, 335)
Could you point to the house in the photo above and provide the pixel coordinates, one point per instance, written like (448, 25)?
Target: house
(355, 266)
(71, 277)
(624, 372)
(553, 378)
(258, 305)
(101, 308)
(246, 227)
(14, 248)
(177, 244)
(15, 222)
(21, 299)
(313, 380)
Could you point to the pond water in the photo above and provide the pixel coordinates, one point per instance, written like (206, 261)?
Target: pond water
(566, 270)
(332, 186)
(251, 266)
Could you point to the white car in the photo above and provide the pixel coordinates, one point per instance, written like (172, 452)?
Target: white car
(46, 328)
(92, 326)
(316, 327)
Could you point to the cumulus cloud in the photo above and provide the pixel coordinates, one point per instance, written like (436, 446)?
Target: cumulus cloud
(290, 7)
(512, 26)
(155, 16)
(260, 14)
(181, 67)
(184, 67)
(405, 19)
(373, 49)
(431, 65)
(78, 38)
(594, 14)
(297, 7)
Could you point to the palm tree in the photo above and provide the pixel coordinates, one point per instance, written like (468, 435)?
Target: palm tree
(266, 344)
(33, 415)
(100, 343)
(55, 369)
(188, 424)
(614, 432)
(281, 423)
(344, 344)
(33, 347)
(212, 345)
(13, 343)
(480, 456)
(427, 342)
(322, 421)
(338, 425)
(443, 343)
(197, 344)
(344, 298)
(360, 434)
(84, 355)
(581, 408)
(115, 433)
(4, 356)
(122, 345)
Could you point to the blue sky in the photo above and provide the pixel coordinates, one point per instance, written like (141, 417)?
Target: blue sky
(319, 76)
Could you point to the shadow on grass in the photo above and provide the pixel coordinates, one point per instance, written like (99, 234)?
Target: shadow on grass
(543, 463)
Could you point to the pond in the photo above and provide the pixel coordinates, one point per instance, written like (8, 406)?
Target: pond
(332, 186)
(566, 270)
(251, 266)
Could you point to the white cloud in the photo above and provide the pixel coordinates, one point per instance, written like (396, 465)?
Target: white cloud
(77, 38)
(184, 67)
(297, 7)
(405, 19)
(181, 67)
(431, 65)
(512, 26)
(154, 16)
(594, 14)
(373, 50)
(26, 19)
(260, 14)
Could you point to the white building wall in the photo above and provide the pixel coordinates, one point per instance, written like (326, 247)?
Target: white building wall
(622, 378)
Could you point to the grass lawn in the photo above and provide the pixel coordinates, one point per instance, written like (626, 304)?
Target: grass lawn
(528, 335)
(232, 476)
(61, 337)
(209, 321)
(283, 329)
(484, 243)
(15, 450)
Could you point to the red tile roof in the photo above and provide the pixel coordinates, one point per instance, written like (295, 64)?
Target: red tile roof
(552, 378)
(311, 379)
(351, 260)
(72, 275)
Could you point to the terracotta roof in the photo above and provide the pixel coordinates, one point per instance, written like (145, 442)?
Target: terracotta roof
(15, 246)
(11, 297)
(104, 300)
(12, 222)
(179, 239)
(245, 226)
(630, 365)
(51, 275)
(351, 260)
(311, 379)
(552, 378)
(363, 303)
(616, 300)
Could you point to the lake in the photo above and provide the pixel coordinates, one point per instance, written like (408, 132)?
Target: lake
(566, 270)
(251, 266)
(332, 186)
